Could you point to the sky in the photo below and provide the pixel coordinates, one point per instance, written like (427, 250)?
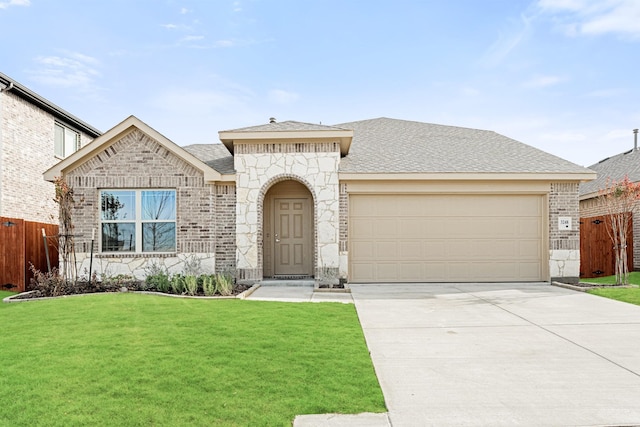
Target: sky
(559, 75)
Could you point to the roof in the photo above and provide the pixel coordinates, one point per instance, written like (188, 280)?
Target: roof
(385, 145)
(214, 155)
(286, 126)
(613, 168)
(288, 130)
(8, 84)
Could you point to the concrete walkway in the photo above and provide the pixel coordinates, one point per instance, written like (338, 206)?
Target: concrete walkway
(493, 355)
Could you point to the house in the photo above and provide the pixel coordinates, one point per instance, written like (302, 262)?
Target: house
(35, 134)
(596, 244)
(373, 201)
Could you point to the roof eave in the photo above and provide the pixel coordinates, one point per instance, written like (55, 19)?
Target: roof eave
(464, 176)
(48, 106)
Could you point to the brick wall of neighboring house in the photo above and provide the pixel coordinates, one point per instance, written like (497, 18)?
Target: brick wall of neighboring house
(592, 207)
(564, 245)
(27, 145)
(137, 161)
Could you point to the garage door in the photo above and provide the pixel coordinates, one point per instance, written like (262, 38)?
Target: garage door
(445, 238)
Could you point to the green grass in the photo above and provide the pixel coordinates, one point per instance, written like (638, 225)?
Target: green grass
(634, 279)
(139, 360)
(630, 295)
(4, 294)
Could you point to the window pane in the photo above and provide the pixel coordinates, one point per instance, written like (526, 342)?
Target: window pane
(159, 237)
(70, 140)
(58, 142)
(118, 205)
(159, 204)
(119, 237)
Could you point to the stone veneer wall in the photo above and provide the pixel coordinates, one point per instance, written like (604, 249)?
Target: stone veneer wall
(258, 167)
(592, 207)
(136, 161)
(26, 152)
(564, 245)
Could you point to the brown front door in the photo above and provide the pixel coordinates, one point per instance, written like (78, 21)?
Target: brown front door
(292, 235)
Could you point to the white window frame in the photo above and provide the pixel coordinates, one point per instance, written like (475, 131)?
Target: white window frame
(138, 221)
(61, 148)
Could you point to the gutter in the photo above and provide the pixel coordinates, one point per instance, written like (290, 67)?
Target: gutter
(6, 83)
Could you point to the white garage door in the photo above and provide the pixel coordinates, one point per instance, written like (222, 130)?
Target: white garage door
(445, 238)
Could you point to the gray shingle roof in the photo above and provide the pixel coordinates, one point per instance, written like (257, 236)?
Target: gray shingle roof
(401, 146)
(287, 126)
(615, 168)
(214, 155)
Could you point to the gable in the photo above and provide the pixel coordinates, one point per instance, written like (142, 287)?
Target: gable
(135, 155)
(98, 150)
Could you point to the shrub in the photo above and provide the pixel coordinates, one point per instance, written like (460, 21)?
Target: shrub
(49, 284)
(224, 284)
(158, 281)
(191, 284)
(177, 284)
(208, 285)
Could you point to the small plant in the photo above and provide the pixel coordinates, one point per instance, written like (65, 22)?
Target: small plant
(208, 285)
(177, 284)
(224, 284)
(49, 284)
(191, 284)
(159, 281)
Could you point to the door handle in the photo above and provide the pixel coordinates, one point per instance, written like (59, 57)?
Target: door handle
(277, 238)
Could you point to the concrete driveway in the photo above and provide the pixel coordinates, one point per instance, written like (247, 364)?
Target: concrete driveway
(502, 354)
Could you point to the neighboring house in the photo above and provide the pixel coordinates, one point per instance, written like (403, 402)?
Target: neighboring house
(613, 168)
(35, 134)
(373, 201)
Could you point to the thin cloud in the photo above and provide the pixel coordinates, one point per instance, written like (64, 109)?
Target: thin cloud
(169, 26)
(543, 81)
(595, 17)
(7, 4)
(237, 7)
(280, 96)
(70, 70)
(184, 11)
(509, 40)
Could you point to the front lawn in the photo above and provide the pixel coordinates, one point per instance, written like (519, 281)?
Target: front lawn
(634, 279)
(631, 295)
(127, 359)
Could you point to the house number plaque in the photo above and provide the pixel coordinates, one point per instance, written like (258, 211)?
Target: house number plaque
(564, 223)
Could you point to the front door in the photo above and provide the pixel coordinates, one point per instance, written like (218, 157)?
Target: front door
(292, 237)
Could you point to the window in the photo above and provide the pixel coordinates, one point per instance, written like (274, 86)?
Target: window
(66, 141)
(138, 220)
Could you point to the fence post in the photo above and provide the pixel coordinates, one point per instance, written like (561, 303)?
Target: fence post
(46, 250)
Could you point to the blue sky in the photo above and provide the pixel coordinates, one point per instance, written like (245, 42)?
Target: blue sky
(560, 75)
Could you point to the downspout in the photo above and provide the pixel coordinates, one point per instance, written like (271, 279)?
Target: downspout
(2, 90)
(635, 140)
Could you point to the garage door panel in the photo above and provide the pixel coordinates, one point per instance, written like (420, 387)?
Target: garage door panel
(427, 238)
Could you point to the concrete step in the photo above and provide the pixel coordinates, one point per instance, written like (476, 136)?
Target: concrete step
(288, 282)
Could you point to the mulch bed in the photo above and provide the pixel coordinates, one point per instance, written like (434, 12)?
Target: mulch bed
(86, 288)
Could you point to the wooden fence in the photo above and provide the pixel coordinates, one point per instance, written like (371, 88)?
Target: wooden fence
(596, 249)
(21, 245)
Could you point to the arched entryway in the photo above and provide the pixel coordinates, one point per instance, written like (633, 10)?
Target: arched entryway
(288, 231)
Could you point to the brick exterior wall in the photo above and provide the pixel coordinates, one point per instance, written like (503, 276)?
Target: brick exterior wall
(564, 245)
(563, 201)
(225, 218)
(26, 151)
(136, 161)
